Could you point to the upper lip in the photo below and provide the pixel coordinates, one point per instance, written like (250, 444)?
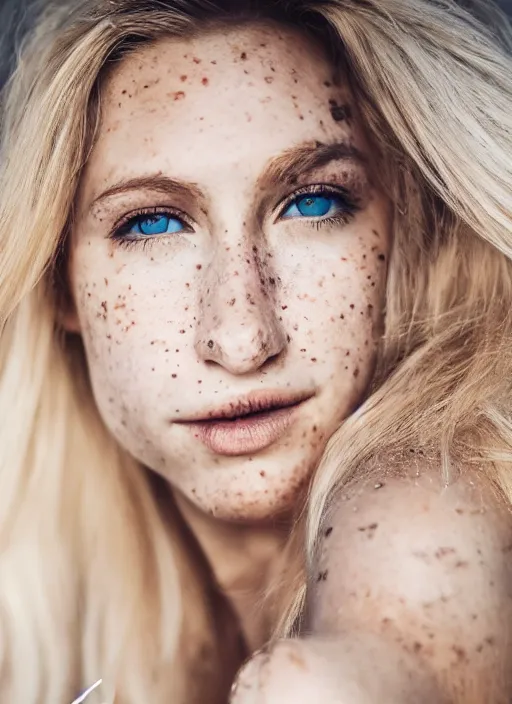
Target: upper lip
(257, 402)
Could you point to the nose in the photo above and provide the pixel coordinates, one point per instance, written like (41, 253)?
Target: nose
(239, 328)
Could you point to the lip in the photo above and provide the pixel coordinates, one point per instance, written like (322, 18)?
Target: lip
(246, 425)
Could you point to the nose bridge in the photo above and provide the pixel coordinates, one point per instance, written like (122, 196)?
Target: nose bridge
(240, 274)
(238, 326)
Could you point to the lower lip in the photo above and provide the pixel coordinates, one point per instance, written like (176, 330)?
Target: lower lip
(244, 436)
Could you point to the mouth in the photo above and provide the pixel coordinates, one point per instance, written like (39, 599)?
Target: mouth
(247, 425)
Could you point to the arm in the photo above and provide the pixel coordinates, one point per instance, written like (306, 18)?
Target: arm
(410, 600)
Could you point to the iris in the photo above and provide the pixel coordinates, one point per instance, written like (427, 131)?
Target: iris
(310, 205)
(158, 224)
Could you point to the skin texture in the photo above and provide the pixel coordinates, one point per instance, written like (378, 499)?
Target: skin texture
(410, 599)
(245, 300)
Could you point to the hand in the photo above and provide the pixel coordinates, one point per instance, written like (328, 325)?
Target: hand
(353, 669)
(288, 672)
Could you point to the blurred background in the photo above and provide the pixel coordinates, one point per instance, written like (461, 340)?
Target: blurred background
(15, 19)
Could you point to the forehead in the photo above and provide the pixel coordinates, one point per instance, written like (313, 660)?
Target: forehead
(225, 92)
(262, 50)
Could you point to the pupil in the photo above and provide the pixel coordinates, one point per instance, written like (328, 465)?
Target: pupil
(315, 206)
(153, 225)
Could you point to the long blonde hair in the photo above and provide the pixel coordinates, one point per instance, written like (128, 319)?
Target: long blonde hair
(433, 80)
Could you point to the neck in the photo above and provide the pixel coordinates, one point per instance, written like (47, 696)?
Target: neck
(246, 560)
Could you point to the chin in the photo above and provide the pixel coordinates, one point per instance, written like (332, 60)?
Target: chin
(259, 492)
(258, 512)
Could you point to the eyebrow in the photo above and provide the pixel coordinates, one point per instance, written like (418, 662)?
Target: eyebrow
(289, 166)
(285, 168)
(153, 182)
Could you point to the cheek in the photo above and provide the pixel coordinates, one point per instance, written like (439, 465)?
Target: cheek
(136, 329)
(336, 305)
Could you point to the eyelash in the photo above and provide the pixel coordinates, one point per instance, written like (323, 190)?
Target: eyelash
(121, 232)
(350, 204)
(350, 207)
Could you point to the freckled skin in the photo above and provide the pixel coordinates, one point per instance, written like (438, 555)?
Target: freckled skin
(418, 611)
(411, 586)
(245, 300)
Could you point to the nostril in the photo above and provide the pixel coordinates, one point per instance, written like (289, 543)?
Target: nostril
(272, 360)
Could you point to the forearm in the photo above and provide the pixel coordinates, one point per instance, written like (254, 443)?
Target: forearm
(353, 668)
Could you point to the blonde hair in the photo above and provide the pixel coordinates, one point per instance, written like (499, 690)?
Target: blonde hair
(434, 83)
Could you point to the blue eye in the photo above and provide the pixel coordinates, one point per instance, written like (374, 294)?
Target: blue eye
(157, 224)
(311, 205)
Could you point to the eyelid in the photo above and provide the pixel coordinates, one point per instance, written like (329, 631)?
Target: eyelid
(153, 210)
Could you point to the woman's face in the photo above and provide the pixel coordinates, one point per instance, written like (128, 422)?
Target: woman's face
(228, 264)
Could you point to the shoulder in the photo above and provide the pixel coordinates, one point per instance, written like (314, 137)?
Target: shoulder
(423, 560)
(402, 514)
(408, 494)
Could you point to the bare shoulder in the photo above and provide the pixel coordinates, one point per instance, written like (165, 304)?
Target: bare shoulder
(407, 490)
(424, 562)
